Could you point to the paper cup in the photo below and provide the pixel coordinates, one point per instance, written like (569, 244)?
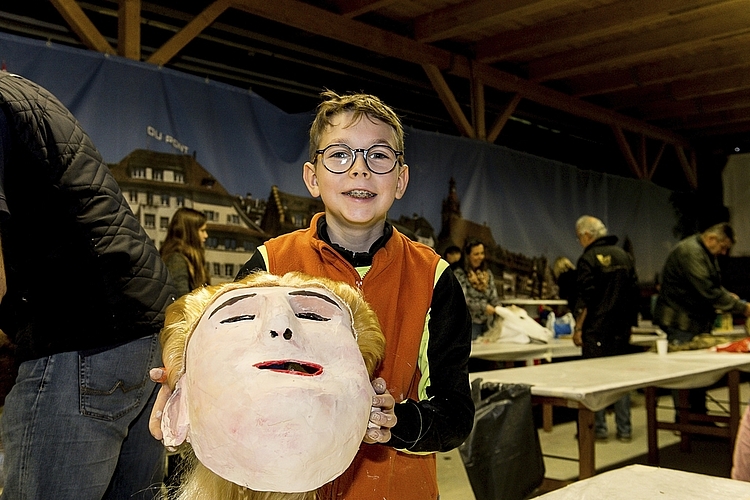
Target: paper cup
(662, 347)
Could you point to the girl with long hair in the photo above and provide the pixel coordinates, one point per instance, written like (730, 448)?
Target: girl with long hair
(183, 250)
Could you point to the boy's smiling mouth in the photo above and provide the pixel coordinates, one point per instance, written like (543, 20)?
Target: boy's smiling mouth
(359, 193)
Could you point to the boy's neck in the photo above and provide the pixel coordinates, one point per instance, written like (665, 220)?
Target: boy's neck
(355, 239)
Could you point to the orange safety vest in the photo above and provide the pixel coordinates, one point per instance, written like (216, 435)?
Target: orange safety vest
(399, 287)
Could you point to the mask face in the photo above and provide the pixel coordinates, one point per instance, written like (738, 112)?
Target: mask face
(275, 395)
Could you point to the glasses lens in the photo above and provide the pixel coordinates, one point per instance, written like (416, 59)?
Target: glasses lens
(381, 159)
(337, 158)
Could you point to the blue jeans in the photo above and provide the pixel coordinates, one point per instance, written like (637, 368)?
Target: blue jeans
(75, 426)
(622, 418)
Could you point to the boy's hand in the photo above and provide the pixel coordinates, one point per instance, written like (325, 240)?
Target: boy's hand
(158, 375)
(382, 417)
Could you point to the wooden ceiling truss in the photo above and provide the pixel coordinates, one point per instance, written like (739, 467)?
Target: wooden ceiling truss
(654, 71)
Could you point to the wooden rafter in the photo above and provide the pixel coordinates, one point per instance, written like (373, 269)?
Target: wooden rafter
(725, 81)
(478, 108)
(721, 82)
(688, 166)
(627, 152)
(607, 19)
(190, 31)
(129, 29)
(468, 16)
(449, 100)
(354, 8)
(658, 43)
(724, 129)
(655, 164)
(674, 109)
(503, 118)
(717, 57)
(82, 26)
(715, 119)
(334, 26)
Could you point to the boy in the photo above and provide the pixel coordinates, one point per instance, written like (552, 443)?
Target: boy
(356, 166)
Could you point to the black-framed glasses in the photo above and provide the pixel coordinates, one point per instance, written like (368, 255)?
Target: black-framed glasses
(379, 159)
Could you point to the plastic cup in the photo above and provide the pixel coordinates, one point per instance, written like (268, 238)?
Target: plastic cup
(662, 346)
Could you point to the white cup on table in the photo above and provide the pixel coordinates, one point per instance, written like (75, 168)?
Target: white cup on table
(662, 346)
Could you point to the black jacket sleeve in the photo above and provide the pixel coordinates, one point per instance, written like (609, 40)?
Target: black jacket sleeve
(444, 420)
(256, 263)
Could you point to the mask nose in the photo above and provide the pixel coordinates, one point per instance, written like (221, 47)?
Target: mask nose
(286, 335)
(279, 319)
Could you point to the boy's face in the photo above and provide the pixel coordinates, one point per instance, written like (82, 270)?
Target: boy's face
(357, 198)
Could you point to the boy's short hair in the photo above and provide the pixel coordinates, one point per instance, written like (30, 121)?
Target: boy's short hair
(360, 105)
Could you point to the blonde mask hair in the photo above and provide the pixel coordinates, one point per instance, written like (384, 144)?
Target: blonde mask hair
(248, 417)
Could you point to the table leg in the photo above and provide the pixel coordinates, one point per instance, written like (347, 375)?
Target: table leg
(547, 422)
(651, 428)
(733, 384)
(586, 452)
(683, 418)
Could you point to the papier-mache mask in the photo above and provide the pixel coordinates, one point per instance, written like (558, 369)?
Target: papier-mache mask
(271, 379)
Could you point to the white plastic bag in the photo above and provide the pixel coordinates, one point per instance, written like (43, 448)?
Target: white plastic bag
(517, 323)
(561, 326)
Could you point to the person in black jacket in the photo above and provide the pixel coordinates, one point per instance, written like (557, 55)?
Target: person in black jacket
(83, 293)
(606, 307)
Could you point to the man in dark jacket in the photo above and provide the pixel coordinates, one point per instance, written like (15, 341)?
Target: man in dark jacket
(606, 308)
(691, 292)
(83, 293)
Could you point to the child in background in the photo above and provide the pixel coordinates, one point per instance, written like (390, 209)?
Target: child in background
(183, 250)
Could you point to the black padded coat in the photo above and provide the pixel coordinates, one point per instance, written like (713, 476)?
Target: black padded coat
(81, 272)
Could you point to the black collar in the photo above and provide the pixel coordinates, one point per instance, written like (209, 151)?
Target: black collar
(356, 259)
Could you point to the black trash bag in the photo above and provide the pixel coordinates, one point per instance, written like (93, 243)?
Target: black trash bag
(502, 455)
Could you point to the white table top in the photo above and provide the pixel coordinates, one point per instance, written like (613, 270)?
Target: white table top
(641, 482)
(599, 382)
(508, 351)
(534, 302)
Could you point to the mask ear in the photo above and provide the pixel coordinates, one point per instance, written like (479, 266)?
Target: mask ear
(175, 423)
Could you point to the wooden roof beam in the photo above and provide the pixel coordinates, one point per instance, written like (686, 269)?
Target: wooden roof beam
(717, 56)
(721, 82)
(733, 80)
(658, 43)
(715, 119)
(449, 100)
(82, 26)
(723, 130)
(186, 34)
(478, 107)
(354, 8)
(129, 29)
(674, 109)
(471, 15)
(336, 27)
(503, 118)
(603, 20)
(627, 152)
(688, 166)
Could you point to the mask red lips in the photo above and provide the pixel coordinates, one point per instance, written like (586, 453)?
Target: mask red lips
(291, 367)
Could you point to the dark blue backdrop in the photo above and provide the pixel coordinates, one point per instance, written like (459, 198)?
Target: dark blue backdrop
(530, 203)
